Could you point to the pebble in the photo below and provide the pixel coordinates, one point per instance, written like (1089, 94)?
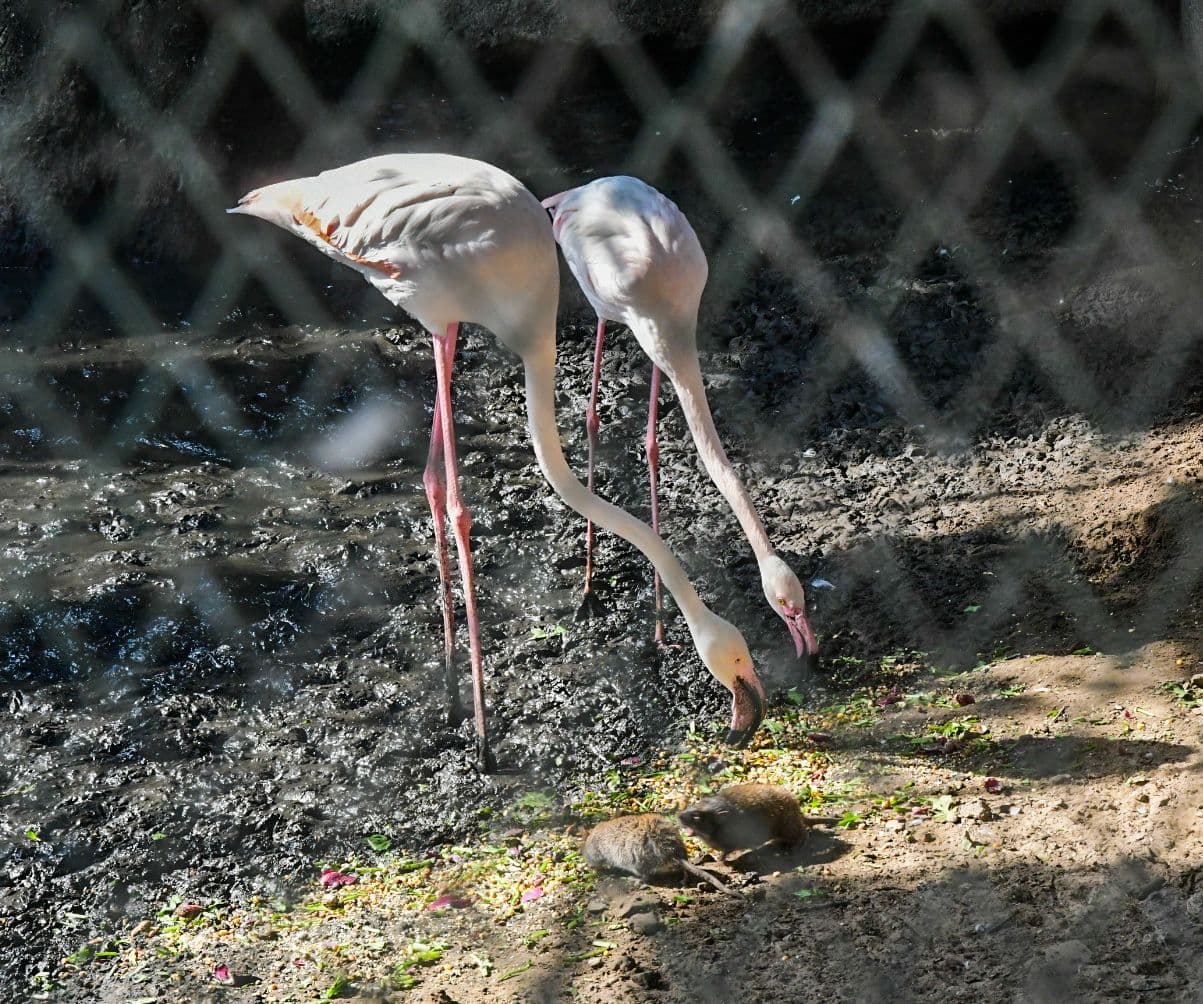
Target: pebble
(640, 901)
(647, 923)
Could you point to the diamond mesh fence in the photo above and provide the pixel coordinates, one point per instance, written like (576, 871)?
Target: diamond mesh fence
(952, 298)
(945, 154)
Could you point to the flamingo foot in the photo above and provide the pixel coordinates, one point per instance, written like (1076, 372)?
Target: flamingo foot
(484, 756)
(661, 644)
(456, 711)
(590, 607)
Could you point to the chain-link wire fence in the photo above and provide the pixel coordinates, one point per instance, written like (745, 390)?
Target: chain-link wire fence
(951, 306)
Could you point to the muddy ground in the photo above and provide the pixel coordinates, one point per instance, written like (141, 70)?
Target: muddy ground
(1051, 855)
(221, 650)
(220, 676)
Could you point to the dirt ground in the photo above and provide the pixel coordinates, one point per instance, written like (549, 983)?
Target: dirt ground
(1006, 556)
(220, 647)
(1048, 852)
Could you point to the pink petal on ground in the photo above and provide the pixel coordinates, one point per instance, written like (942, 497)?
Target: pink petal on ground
(965, 699)
(222, 975)
(893, 697)
(631, 761)
(993, 785)
(532, 894)
(450, 900)
(333, 877)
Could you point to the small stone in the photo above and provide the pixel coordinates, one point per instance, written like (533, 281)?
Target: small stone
(640, 901)
(647, 923)
(1142, 796)
(596, 906)
(976, 808)
(1194, 905)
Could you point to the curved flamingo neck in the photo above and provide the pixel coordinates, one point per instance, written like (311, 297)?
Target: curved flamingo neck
(682, 367)
(545, 435)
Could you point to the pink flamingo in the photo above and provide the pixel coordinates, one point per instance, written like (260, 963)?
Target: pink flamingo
(453, 240)
(639, 263)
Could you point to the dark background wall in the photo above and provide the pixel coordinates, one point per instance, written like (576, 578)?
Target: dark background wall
(77, 81)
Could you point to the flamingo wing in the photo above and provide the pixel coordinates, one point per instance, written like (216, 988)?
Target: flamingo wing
(629, 247)
(387, 215)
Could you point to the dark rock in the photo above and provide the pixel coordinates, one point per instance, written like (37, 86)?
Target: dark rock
(647, 923)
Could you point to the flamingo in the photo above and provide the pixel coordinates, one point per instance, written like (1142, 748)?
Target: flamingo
(639, 262)
(452, 241)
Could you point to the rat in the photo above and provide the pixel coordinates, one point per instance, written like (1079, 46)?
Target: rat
(647, 846)
(743, 816)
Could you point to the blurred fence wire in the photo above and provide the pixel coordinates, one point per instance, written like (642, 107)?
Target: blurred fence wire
(949, 198)
(953, 299)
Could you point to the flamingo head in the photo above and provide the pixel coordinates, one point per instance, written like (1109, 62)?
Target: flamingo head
(787, 598)
(725, 653)
(556, 212)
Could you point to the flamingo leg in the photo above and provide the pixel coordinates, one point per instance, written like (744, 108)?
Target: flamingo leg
(592, 424)
(434, 481)
(653, 468)
(461, 524)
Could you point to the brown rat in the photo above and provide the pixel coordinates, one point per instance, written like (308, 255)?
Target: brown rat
(743, 816)
(647, 846)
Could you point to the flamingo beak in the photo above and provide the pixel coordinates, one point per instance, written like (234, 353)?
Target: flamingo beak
(747, 709)
(803, 636)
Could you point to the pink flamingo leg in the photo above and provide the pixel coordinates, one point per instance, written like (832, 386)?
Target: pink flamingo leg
(653, 467)
(461, 522)
(591, 428)
(436, 495)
